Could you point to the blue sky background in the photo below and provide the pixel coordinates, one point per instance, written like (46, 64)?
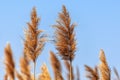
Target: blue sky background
(98, 28)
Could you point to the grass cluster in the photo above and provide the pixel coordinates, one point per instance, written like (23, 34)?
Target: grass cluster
(65, 44)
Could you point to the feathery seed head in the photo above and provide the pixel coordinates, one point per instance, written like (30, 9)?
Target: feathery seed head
(9, 62)
(65, 37)
(104, 68)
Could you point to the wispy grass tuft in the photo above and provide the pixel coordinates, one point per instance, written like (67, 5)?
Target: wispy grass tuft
(34, 39)
(104, 68)
(56, 65)
(9, 63)
(45, 75)
(65, 37)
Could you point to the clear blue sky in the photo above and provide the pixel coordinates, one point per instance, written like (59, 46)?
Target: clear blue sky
(98, 28)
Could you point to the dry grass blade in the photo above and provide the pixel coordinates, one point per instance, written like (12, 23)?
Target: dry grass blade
(45, 75)
(25, 68)
(9, 62)
(56, 66)
(104, 68)
(67, 64)
(116, 73)
(92, 73)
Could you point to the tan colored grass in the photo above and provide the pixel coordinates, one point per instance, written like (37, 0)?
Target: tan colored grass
(104, 68)
(19, 76)
(34, 39)
(9, 62)
(56, 66)
(65, 37)
(25, 68)
(65, 44)
(45, 75)
(92, 74)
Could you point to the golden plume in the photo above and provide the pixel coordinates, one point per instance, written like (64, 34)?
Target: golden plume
(65, 37)
(45, 75)
(34, 39)
(104, 68)
(56, 65)
(34, 42)
(9, 62)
